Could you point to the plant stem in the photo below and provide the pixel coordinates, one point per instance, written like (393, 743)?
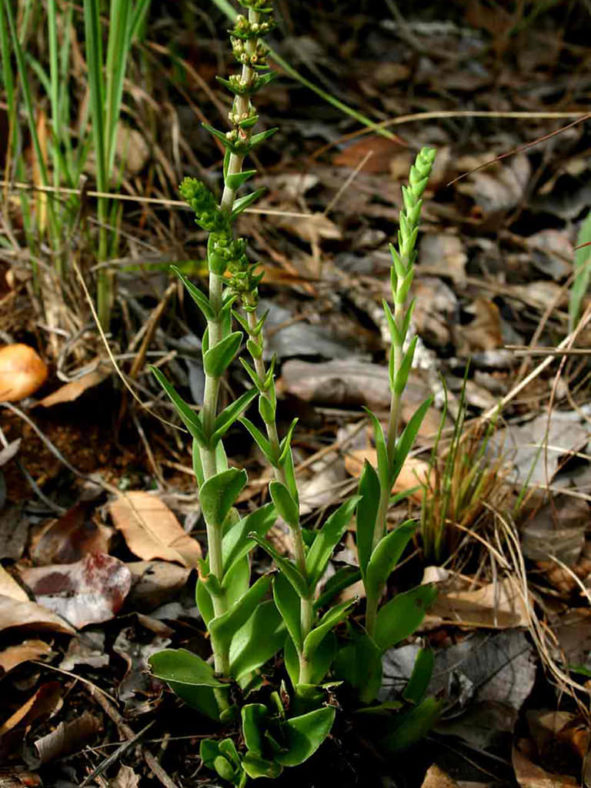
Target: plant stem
(299, 549)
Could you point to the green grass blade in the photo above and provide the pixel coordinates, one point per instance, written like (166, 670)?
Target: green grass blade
(54, 76)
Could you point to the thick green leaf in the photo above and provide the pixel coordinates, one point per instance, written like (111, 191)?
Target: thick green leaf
(412, 726)
(231, 414)
(197, 295)
(385, 557)
(204, 602)
(202, 699)
(422, 671)
(219, 357)
(237, 580)
(327, 623)
(286, 442)
(224, 627)
(285, 504)
(219, 493)
(287, 601)
(401, 616)
(582, 272)
(287, 567)
(249, 650)
(367, 511)
(188, 416)
(327, 539)
(405, 367)
(237, 542)
(405, 442)
(257, 767)
(254, 722)
(183, 667)
(245, 202)
(222, 757)
(360, 665)
(304, 735)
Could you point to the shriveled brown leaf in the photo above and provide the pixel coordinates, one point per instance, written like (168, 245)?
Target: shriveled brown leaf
(87, 592)
(125, 778)
(483, 332)
(13, 656)
(437, 778)
(70, 392)
(152, 531)
(414, 472)
(10, 587)
(155, 582)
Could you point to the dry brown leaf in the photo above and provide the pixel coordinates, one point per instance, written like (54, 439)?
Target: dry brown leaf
(13, 656)
(67, 737)
(494, 606)
(30, 615)
(483, 333)
(529, 775)
(69, 538)
(10, 588)
(414, 472)
(378, 152)
(125, 778)
(152, 531)
(71, 391)
(46, 701)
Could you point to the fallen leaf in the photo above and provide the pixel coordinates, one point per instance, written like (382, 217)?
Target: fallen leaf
(14, 532)
(377, 152)
(155, 582)
(444, 255)
(483, 332)
(69, 538)
(528, 775)
(557, 530)
(313, 228)
(413, 473)
(29, 615)
(70, 392)
(10, 451)
(89, 650)
(125, 778)
(10, 587)
(437, 778)
(66, 738)
(152, 531)
(87, 592)
(13, 656)
(494, 606)
(22, 372)
(45, 702)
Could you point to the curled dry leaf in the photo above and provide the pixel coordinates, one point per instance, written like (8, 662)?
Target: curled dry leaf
(66, 738)
(22, 372)
(87, 592)
(16, 610)
(414, 472)
(437, 778)
(152, 531)
(125, 778)
(13, 656)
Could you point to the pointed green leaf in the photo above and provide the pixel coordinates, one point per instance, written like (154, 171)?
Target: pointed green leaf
(218, 494)
(343, 578)
(395, 336)
(287, 601)
(285, 504)
(360, 665)
(204, 602)
(231, 414)
(237, 542)
(402, 615)
(259, 439)
(405, 367)
(218, 358)
(367, 511)
(262, 136)
(412, 726)
(327, 539)
(422, 672)
(242, 203)
(385, 557)
(286, 442)
(188, 416)
(380, 441)
(220, 135)
(238, 179)
(287, 567)
(304, 735)
(196, 294)
(405, 443)
(327, 623)
(224, 627)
